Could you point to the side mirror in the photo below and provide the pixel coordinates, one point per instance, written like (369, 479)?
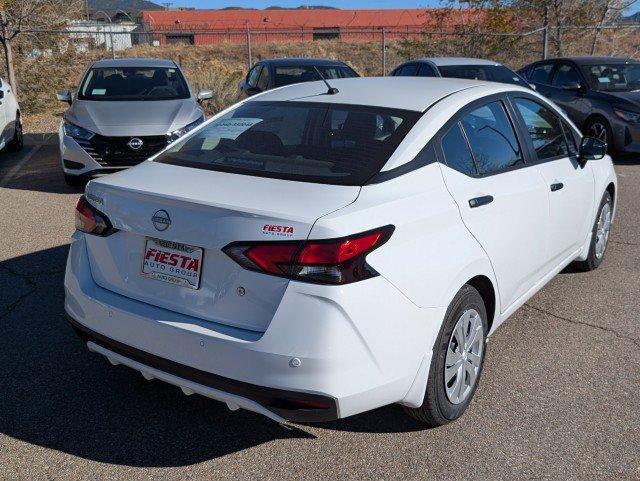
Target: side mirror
(64, 96)
(205, 94)
(572, 86)
(592, 149)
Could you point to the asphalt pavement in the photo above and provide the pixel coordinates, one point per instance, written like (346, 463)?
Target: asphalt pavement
(559, 397)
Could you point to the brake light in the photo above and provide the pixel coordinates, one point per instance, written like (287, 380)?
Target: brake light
(331, 261)
(91, 220)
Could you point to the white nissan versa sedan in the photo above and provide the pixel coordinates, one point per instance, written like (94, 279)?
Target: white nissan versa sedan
(310, 254)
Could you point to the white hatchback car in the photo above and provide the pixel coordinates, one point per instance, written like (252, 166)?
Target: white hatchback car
(311, 254)
(10, 122)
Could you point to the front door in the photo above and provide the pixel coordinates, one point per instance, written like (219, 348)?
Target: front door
(503, 203)
(570, 187)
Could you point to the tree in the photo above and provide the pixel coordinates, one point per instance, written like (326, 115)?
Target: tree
(19, 17)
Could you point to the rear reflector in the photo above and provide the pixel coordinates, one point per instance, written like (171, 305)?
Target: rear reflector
(90, 220)
(330, 261)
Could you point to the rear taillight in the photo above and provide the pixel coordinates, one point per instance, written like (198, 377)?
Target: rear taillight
(330, 261)
(91, 220)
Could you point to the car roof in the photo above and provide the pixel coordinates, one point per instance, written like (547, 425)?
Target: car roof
(406, 93)
(594, 60)
(447, 61)
(134, 62)
(294, 61)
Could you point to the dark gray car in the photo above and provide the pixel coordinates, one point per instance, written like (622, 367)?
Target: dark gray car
(600, 94)
(277, 72)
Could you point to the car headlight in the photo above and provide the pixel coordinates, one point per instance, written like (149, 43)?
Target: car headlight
(176, 134)
(77, 132)
(628, 116)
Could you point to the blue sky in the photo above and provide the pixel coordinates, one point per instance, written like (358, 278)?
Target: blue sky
(297, 3)
(330, 3)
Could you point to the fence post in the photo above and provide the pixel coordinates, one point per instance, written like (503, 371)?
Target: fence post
(249, 46)
(384, 53)
(545, 43)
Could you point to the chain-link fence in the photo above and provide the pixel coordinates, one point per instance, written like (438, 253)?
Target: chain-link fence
(47, 60)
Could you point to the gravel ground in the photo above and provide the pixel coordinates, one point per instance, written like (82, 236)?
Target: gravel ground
(558, 398)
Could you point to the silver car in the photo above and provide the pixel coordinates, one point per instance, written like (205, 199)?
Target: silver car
(125, 111)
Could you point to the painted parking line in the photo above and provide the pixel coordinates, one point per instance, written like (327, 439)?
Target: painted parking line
(16, 168)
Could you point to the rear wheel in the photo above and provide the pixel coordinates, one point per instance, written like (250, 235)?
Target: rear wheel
(599, 128)
(17, 143)
(457, 361)
(599, 235)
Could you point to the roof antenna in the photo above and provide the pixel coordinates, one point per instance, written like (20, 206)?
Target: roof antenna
(330, 90)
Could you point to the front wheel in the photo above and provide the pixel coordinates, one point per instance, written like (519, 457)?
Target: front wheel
(457, 362)
(599, 235)
(599, 128)
(17, 142)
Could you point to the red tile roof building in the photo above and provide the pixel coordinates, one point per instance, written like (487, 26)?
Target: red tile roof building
(209, 26)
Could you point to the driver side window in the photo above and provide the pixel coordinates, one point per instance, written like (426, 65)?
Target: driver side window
(544, 129)
(565, 74)
(252, 78)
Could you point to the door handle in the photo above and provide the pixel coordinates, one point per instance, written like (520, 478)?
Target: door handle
(556, 186)
(479, 201)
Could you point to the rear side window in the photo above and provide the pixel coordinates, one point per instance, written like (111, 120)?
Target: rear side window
(263, 81)
(426, 71)
(410, 70)
(544, 129)
(456, 151)
(252, 78)
(565, 74)
(492, 138)
(304, 141)
(540, 73)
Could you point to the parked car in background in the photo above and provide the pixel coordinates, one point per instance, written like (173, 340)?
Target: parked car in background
(277, 72)
(600, 94)
(125, 111)
(310, 257)
(10, 122)
(459, 67)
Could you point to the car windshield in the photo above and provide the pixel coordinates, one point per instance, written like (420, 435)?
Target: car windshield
(492, 73)
(613, 77)
(306, 141)
(133, 83)
(308, 73)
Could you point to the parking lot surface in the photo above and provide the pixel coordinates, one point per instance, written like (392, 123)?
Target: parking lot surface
(559, 397)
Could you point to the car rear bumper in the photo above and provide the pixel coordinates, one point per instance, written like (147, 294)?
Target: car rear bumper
(346, 349)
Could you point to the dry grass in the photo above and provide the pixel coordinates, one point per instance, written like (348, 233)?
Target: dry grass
(220, 67)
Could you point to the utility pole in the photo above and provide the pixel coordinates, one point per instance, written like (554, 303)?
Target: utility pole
(545, 34)
(384, 53)
(249, 59)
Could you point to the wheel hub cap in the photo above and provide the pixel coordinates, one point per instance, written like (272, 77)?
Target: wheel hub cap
(602, 230)
(464, 356)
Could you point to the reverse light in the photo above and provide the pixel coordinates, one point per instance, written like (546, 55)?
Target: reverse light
(90, 220)
(326, 261)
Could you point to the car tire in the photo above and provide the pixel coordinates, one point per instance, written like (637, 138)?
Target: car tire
(443, 402)
(600, 234)
(74, 180)
(599, 128)
(17, 143)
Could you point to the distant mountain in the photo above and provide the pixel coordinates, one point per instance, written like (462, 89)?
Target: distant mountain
(635, 18)
(126, 5)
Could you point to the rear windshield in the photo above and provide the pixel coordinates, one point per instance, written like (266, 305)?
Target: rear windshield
(305, 141)
(308, 73)
(133, 83)
(492, 73)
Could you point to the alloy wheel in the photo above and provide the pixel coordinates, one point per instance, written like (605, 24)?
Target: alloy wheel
(599, 131)
(464, 356)
(602, 230)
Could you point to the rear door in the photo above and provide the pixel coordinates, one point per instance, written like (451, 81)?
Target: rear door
(570, 186)
(503, 203)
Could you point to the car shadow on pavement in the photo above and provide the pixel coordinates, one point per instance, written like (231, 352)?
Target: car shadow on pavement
(58, 395)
